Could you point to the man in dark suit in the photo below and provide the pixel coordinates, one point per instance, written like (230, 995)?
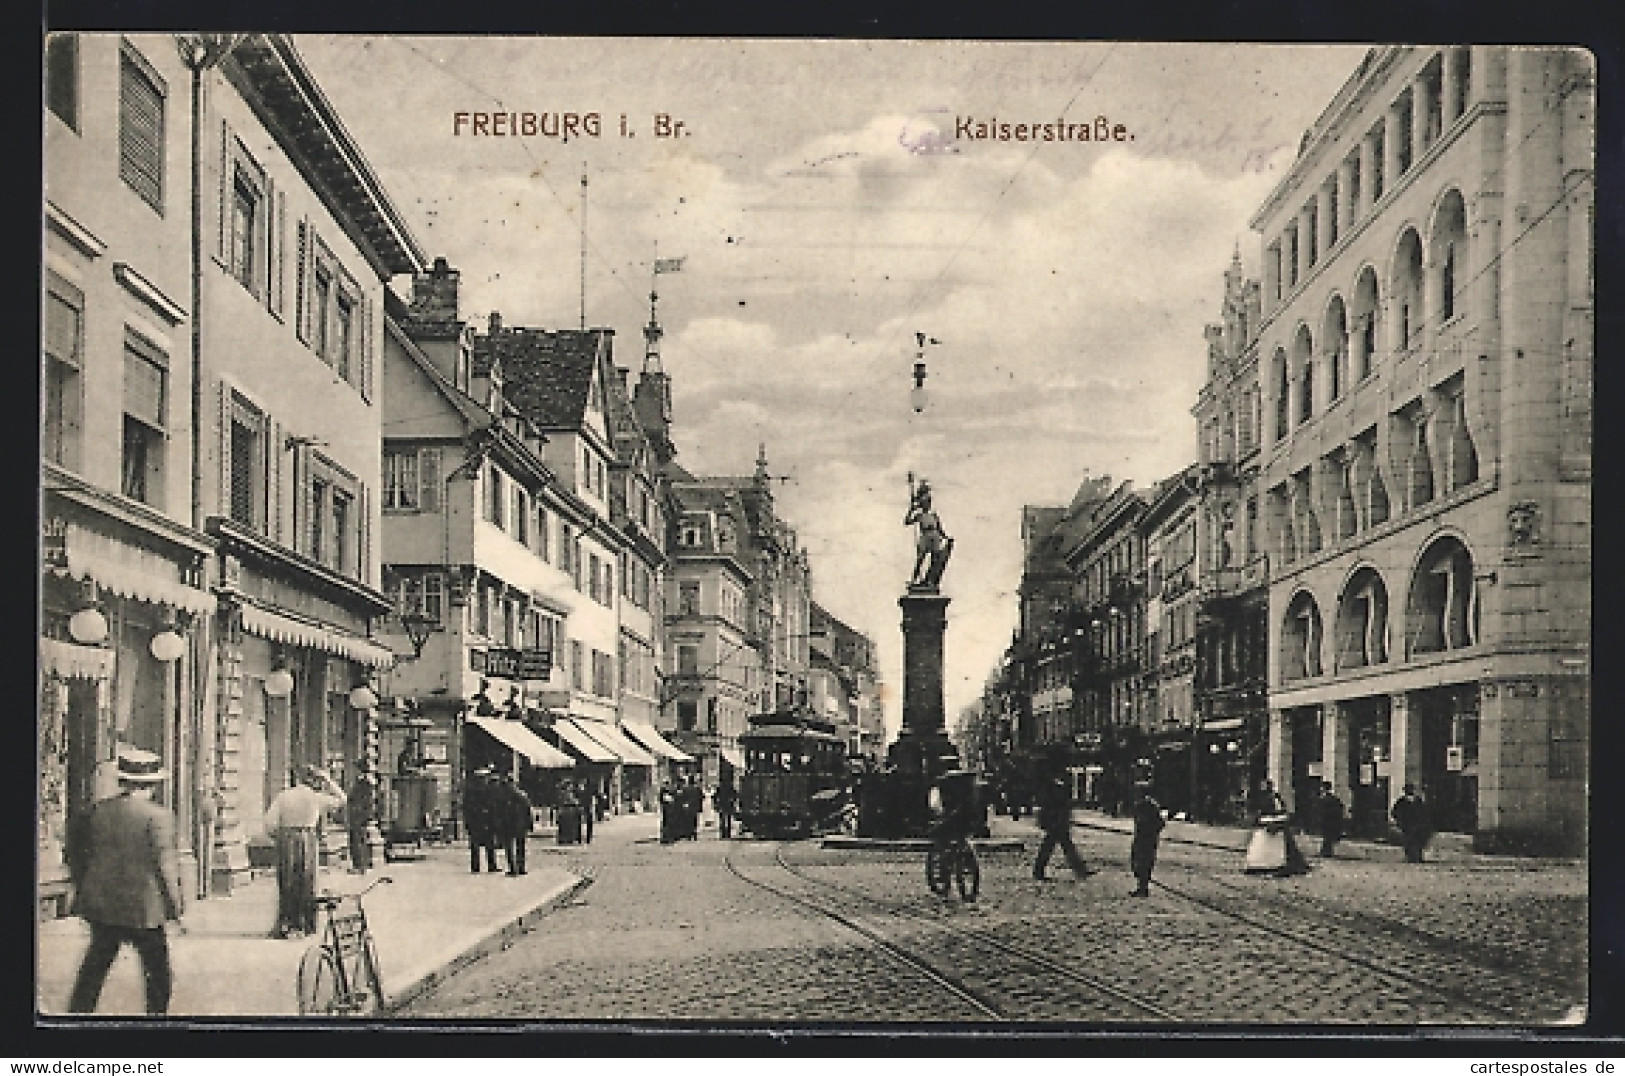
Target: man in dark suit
(1055, 819)
(127, 882)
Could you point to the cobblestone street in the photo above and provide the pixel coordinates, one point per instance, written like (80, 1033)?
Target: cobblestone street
(680, 932)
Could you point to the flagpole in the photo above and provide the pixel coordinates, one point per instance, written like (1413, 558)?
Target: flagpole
(583, 245)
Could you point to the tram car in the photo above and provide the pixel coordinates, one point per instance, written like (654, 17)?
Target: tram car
(796, 780)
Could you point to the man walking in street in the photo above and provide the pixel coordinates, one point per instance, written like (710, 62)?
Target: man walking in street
(1148, 823)
(1055, 819)
(127, 882)
(1329, 813)
(358, 812)
(1410, 814)
(589, 810)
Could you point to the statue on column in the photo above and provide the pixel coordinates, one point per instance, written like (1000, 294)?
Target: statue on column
(932, 547)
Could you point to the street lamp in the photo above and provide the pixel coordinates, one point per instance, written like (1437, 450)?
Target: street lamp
(418, 629)
(918, 397)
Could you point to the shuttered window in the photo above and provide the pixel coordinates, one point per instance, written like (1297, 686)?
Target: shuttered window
(145, 371)
(60, 416)
(141, 128)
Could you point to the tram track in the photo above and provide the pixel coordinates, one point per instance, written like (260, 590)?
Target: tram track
(1106, 1004)
(1484, 958)
(1409, 965)
(945, 982)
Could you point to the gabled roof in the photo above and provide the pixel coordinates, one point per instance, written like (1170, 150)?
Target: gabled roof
(547, 374)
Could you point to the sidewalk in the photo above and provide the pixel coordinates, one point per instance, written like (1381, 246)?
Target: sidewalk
(434, 918)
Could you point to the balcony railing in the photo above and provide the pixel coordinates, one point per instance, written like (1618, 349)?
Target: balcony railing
(1228, 582)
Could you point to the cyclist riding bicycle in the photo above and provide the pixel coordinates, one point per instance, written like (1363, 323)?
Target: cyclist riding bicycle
(956, 816)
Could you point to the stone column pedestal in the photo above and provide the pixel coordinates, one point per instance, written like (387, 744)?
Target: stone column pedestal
(923, 746)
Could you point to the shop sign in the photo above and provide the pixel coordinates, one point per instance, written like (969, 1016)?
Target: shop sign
(54, 543)
(510, 663)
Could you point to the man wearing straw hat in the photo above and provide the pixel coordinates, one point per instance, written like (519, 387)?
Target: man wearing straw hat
(127, 881)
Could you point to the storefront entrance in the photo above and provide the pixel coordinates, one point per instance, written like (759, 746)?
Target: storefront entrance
(1369, 759)
(1449, 742)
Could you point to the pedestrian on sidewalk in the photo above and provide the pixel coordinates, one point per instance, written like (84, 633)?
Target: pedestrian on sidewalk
(1142, 854)
(1272, 849)
(127, 882)
(359, 808)
(294, 821)
(1329, 812)
(514, 821)
(1055, 819)
(589, 809)
(1411, 815)
(693, 804)
(479, 814)
(725, 798)
(668, 813)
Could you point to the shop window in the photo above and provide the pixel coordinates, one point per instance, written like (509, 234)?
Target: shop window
(1442, 611)
(61, 416)
(1362, 621)
(141, 127)
(1300, 638)
(146, 374)
(62, 77)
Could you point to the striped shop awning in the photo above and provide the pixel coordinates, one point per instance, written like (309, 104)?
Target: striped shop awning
(650, 738)
(281, 628)
(612, 738)
(578, 741)
(131, 572)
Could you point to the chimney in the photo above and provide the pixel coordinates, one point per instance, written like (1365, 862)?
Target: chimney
(434, 294)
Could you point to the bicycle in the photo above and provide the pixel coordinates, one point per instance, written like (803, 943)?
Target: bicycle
(339, 975)
(951, 865)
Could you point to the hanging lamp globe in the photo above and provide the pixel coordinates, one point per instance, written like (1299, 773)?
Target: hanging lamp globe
(167, 646)
(88, 626)
(279, 685)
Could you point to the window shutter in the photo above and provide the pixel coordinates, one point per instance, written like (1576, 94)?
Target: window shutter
(276, 202)
(225, 194)
(141, 133)
(363, 534)
(429, 479)
(364, 314)
(224, 460)
(275, 466)
(301, 314)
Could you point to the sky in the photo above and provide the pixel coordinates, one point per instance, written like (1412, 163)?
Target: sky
(829, 202)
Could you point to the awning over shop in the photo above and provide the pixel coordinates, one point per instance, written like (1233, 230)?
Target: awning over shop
(516, 737)
(584, 745)
(650, 738)
(733, 757)
(72, 661)
(131, 572)
(611, 737)
(281, 628)
(1229, 724)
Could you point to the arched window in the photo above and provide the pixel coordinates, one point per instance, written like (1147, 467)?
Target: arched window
(1283, 393)
(1367, 314)
(1362, 621)
(1441, 612)
(1300, 638)
(1334, 338)
(1449, 248)
(1303, 361)
(1406, 290)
